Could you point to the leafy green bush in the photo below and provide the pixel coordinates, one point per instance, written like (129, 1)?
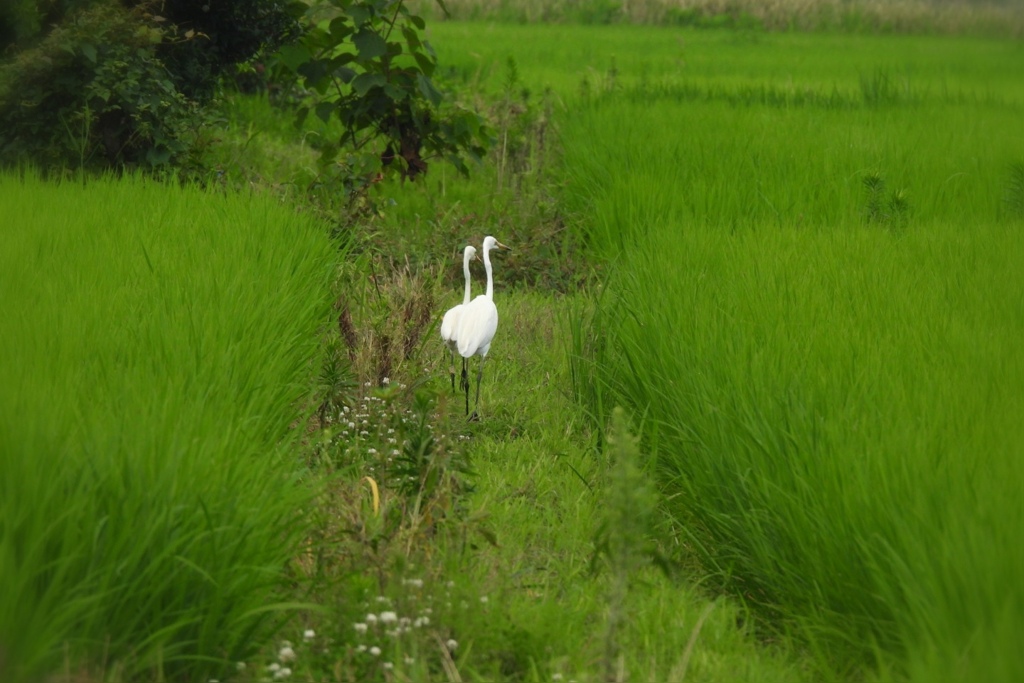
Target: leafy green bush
(218, 36)
(123, 84)
(353, 66)
(94, 93)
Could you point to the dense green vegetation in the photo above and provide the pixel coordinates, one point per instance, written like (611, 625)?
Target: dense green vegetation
(157, 345)
(816, 312)
(957, 17)
(792, 258)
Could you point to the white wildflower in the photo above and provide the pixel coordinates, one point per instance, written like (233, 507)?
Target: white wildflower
(388, 665)
(375, 651)
(483, 599)
(273, 667)
(452, 644)
(371, 618)
(421, 621)
(308, 634)
(284, 673)
(388, 617)
(240, 666)
(286, 654)
(360, 627)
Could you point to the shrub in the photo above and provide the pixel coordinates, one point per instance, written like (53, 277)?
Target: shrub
(218, 36)
(122, 84)
(94, 93)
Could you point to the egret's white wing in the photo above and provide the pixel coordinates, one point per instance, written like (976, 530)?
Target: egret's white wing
(477, 324)
(450, 323)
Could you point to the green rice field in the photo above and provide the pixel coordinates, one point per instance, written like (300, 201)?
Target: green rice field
(815, 303)
(157, 343)
(789, 263)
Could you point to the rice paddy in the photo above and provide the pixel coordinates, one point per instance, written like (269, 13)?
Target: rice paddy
(809, 305)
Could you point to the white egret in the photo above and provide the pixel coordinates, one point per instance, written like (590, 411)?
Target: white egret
(478, 322)
(450, 322)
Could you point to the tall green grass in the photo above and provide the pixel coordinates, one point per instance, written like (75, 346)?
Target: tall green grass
(740, 163)
(839, 412)
(157, 346)
(816, 306)
(570, 58)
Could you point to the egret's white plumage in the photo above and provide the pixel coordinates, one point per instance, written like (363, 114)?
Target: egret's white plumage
(478, 320)
(450, 322)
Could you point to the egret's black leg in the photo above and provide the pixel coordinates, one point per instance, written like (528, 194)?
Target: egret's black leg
(451, 368)
(465, 383)
(479, 377)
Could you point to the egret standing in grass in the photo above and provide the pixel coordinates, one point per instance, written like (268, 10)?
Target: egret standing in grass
(450, 323)
(478, 322)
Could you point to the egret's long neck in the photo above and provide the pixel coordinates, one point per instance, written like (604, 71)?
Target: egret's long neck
(490, 278)
(465, 271)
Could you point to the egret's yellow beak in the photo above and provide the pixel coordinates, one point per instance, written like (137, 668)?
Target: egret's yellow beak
(502, 246)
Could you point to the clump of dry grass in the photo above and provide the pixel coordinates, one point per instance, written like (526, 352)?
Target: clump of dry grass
(984, 17)
(382, 323)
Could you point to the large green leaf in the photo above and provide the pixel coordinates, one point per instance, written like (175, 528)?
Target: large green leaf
(411, 38)
(360, 14)
(428, 90)
(369, 44)
(324, 110)
(363, 82)
(293, 56)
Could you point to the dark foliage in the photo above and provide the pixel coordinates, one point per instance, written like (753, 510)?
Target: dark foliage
(212, 36)
(94, 93)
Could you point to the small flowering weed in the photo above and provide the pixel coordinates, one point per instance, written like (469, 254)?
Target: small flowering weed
(395, 436)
